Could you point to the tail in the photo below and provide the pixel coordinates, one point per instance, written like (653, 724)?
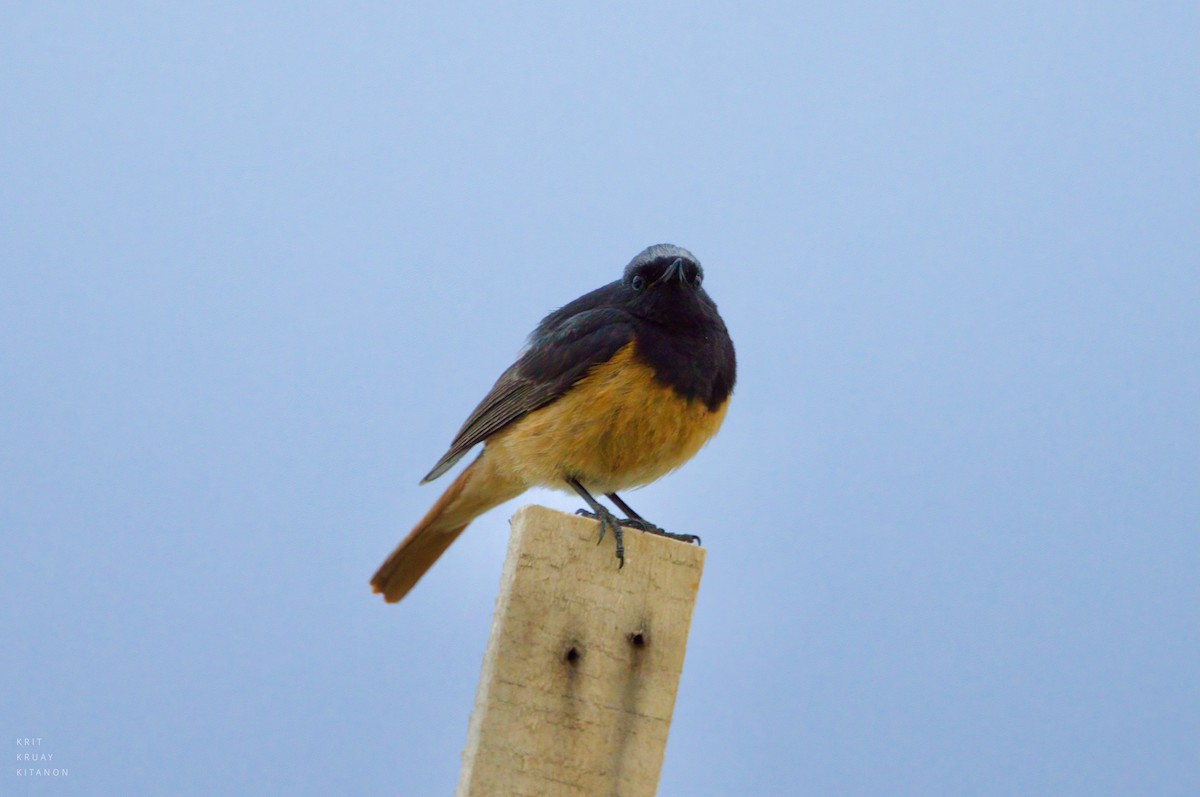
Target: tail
(476, 490)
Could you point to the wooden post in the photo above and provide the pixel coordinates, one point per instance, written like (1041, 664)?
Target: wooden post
(583, 662)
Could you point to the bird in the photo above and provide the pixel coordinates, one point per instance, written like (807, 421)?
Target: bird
(611, 391)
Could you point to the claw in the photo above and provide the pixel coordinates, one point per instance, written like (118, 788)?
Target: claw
(688, 538)
(606, 520)
(641, 524)
(636, 521)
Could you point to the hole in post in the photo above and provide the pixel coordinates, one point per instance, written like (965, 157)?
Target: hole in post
(638, 639)
(572, 655)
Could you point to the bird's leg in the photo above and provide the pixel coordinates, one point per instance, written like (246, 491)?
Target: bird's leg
(606, 518)
(632, 519)
(636, 521)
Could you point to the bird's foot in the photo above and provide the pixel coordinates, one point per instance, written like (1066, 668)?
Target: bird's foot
(608, 520)
(641, 524)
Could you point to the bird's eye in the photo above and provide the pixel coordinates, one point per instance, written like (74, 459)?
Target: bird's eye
(697, 279)
(638, 282)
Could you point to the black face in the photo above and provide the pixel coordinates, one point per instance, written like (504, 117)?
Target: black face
(665, 284)
(664, 271)
(678, 330)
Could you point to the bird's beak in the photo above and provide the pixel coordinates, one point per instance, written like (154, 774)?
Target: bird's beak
(675, 270)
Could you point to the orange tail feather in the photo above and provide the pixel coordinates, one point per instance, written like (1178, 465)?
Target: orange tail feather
(476, 490)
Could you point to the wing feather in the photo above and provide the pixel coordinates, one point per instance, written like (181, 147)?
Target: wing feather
(561, 352)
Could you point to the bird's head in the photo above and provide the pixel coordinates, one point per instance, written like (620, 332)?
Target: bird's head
(664, 283)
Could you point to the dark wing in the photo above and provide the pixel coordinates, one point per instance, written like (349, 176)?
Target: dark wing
(562, 350)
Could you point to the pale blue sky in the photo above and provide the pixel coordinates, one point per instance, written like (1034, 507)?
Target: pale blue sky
(261, 262)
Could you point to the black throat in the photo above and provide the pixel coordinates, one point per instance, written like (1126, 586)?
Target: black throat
(695, 359)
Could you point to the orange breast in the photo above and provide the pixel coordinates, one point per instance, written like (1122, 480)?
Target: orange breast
(614, 430)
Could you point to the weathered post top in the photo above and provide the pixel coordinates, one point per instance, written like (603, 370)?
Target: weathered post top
(583, 663)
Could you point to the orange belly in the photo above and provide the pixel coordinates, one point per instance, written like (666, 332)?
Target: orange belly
(616, 429)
